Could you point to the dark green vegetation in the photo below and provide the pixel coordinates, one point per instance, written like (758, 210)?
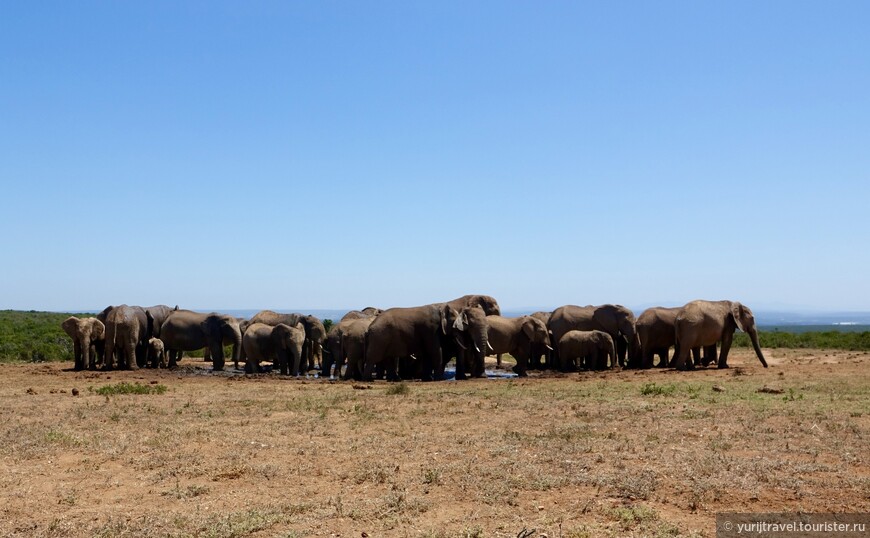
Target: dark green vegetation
(34, 336)
(37, 336)
(849, 341)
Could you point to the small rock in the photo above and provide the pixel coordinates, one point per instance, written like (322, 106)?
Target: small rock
(75, 392)
(770, 390)
(364, 535)
(718, 388)
(31, 391)
(540, 508)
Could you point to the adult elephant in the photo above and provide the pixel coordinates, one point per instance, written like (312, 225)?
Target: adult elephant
(703, 323)
(540, 351)
(368, 312)
(315, 333)
(89, 337)
(469, 346)
(345, 342)
(126, 329)
(415, 331)
(615, 320)
(589, 349)
(519, 336)
(353, 347)
(488, 304)
(657, 333)
(279, 344)
(185, 330)
(132, 320)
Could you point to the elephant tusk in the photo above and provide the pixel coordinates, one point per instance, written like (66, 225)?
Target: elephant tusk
(548, 347)
(477, 349)
(460, 343)
(489, 346)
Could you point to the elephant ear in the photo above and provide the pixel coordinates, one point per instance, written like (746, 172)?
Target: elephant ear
(529, 329)
(70, 326)
(738, 312)
(98, 330)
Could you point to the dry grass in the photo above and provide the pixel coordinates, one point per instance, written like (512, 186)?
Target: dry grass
(652, 453)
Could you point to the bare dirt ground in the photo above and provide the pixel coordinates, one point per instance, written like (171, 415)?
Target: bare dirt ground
(629, 453)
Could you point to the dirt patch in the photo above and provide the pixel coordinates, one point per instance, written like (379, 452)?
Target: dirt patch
(648, 453)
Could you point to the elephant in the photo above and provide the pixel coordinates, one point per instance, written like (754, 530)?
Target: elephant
(469, 346)
(404, 332)
(656, 331)
(587, 347)
(133, 315)
(367, 312)
(185, 330)
(703, 323)
(615, 320)
(126, 328)
(488, 304)
(346, 341)
(156, 353)
(88, 336)
(353, 347)
(315, 333)
(278, 343)
(519, 336)
(539, 350)
(332, 350)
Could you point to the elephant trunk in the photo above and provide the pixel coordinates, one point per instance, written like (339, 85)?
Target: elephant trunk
(753, 335)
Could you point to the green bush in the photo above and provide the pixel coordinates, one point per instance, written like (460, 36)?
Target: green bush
(34, 336)
(850, 341)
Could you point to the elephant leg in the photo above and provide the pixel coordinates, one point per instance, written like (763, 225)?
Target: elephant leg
(130, 350)
(498, 360)
(723, 351)
(681, 358)
(709, 354)
(78, 362)
(696, 356)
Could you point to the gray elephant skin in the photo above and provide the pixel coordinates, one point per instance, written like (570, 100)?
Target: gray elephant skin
(488, 304)
(315, 333)
(657, 333)
(415, 331)
(703, 323)
(539, 351)
(128, 331)
(589, 349)
(615, 320)
(279, 344)
(519, 336)
(468, 346)
(353, 347)
(88, 336)
(185, 330)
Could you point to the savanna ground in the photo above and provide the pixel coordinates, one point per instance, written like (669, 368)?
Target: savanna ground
(630, 453)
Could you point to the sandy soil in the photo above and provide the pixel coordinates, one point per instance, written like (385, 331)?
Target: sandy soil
(628, 453)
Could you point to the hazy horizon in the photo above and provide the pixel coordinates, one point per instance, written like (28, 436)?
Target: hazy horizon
(395, 153)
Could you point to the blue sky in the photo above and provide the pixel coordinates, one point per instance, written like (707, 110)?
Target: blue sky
(345, 154)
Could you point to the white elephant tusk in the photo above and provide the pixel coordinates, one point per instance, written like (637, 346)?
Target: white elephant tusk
(413, 357)
(476, 348)
(548, 347)
(489, 346)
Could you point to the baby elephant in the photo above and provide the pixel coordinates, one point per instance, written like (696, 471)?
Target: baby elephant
(156, 353)
(593, 346)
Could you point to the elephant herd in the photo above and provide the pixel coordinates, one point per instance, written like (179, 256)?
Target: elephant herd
(416, 342)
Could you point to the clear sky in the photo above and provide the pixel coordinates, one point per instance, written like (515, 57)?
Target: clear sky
(344, 154)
